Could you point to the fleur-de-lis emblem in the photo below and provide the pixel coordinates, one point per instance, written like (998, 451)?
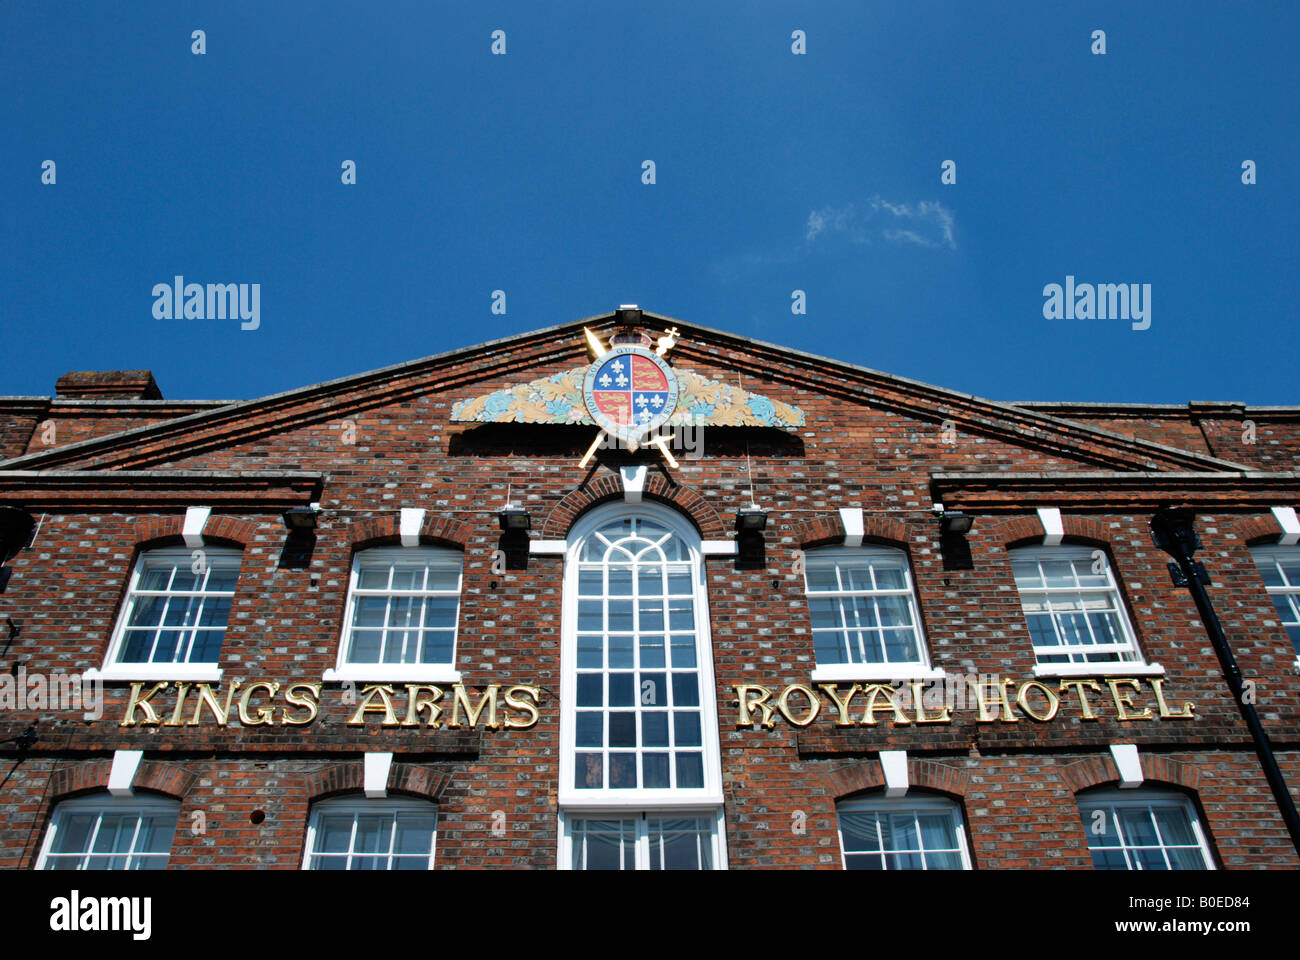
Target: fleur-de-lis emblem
(604, 380)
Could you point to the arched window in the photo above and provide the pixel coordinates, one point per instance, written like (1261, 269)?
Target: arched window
(401, 618)
(103, 832)
(1279, 567)
(173, 622)
(358, 833)
(918, 831)
(1144, 829)
(638, 728)
(865, 621)
(1076, 616)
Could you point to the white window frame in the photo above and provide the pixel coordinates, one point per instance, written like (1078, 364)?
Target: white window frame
(399, 672)
(912, 802)
(606, 798)
(198, 672)
(101, 804)
(355, 805)
(919, 669)
(1135, 666)
(718, 838)
(1273, 552)
(1114, 799)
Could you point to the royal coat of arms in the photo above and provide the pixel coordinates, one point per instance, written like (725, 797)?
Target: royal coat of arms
(630, 392)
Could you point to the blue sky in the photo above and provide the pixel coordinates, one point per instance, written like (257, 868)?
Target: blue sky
(774, 172)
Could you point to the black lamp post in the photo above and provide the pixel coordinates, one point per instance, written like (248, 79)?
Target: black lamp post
(1173, 532)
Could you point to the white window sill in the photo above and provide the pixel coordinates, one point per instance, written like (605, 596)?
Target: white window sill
(599, 801)
(875, 673)
(1117, 669)
(391, 673)
(150, 672)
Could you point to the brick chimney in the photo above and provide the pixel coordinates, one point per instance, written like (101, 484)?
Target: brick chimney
(107, 385)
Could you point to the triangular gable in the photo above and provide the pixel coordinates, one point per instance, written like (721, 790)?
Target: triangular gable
(242, 422)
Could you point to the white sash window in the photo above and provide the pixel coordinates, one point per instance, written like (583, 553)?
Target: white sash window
(639, 768)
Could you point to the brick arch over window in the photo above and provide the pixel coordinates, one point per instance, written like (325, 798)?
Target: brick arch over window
(170, 779)
(1253, 531)
(403, 778)
(921, 775)
(166, 531)
(829, 529)
(1021, 531)
(1100, 771)
(682, 498)
(1085, 530)
(436, 529)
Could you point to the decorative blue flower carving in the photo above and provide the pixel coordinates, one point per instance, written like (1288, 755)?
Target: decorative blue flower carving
(498, 402)
(762, 408)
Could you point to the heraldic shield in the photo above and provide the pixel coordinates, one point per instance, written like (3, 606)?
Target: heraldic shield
(629, 392)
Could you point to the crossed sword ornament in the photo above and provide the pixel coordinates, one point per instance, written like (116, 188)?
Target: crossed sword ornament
(598, 350)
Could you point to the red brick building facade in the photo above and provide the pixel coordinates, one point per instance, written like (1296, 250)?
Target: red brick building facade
(843, 687)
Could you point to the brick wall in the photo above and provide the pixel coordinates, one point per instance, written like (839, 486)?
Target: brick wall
(385, 448)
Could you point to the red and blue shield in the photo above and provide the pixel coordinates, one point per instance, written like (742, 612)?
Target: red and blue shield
(629, 392)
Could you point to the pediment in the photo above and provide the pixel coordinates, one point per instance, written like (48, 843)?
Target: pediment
(535, 378)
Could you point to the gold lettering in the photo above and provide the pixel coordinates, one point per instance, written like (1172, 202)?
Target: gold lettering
(1085, 708)
(181, 690)
(1157, 684)
(265, 715)
(745, 718)
(385, 693)
(1125, 700)
(1053, 701)
(981, 687)
(221, 714)
(421, 697)
(512, 702)
(842, 706)
(310, 704)
(461, 699)
(142, 703)
(943, 716)
(874, 690)
(814, 704)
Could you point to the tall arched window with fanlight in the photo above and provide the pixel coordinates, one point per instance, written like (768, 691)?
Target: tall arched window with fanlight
(640, 777)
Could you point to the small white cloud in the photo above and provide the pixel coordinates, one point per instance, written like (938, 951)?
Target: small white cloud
(927, 224)
(907, 236)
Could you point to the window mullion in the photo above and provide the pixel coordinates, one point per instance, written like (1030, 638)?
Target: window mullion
(135, 836)
(383, 633)
(94, 838)
(191, 629)
(158, 631)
